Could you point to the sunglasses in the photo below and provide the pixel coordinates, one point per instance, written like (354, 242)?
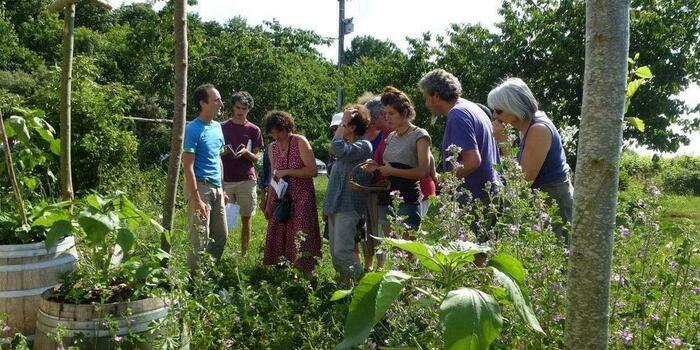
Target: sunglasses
(496, 111)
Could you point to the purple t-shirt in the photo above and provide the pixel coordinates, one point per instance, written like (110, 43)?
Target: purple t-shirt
(470, 128)
(240, 169)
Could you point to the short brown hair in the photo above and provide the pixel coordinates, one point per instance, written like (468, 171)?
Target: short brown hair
(398, 100)
(201, 93)
(279, 120)
(360, 119)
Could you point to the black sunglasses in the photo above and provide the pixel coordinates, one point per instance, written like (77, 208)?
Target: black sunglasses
(497, 111)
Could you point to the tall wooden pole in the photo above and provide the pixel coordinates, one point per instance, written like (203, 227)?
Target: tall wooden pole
(66, 80)
(341, 51)
(178, 130)
(597, 165)
(11, 173)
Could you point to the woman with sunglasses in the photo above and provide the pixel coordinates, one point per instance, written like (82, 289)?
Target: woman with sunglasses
(541, 154)
(343, 205)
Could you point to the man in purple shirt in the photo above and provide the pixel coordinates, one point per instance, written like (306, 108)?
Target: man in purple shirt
(467, 127)
(243, 142)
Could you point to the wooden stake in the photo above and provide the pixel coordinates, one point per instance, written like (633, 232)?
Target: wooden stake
(178, 130)
(11, 173)
(66, 80)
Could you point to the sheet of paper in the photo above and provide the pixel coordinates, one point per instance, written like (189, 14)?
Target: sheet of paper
(280, 187)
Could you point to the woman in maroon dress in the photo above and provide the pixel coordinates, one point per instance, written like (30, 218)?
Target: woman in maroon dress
(292, 159)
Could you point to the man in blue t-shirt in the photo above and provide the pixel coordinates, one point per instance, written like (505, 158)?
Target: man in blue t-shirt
(203, 145)
(467, 127)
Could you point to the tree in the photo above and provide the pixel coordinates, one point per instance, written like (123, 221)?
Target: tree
(595, 198)
(367, 46)
(543, 43)
(178, 129)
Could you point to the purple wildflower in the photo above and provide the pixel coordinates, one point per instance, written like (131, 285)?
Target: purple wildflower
(118, 338)
(555, 318)
(513, 229)
(624, 232)
(655, 317)
(675, 342)
(696, 290)
(626, 336)
(6, 329)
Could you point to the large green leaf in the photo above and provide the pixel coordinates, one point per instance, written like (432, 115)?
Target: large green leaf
(361, 311)
(55, 147)
(48, 218)
(519, 299)
(422, 251)
(511, 274)
(97, 225)
(509, 265)
(341, 294)
(59, 229)
(19, 126)
(125, 239)
(637, 123)
(643, 72)
(458, 253)
(633, 86)
(471, 319)
(389, 289)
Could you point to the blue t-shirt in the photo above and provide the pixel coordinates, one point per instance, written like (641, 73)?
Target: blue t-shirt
(554, 166)
(206, 141)
(470, 128)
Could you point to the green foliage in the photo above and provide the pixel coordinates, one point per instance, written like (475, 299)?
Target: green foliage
(678, 175)
(35, 150)
(110, 268)
(471, 319)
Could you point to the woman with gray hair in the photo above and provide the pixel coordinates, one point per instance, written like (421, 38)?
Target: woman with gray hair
(541, 154)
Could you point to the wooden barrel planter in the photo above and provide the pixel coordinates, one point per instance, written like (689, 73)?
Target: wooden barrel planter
(26, 271)
(96, 326)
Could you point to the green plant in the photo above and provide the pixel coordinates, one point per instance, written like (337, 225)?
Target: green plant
(470, 318)
(35, 149)
(111, 268)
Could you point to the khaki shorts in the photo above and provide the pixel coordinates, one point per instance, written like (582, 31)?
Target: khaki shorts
(244, 194)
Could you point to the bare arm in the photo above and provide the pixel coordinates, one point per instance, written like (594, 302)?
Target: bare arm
(253, 156)
(307, 156)
(537, 145)
(470, 160)
(191, 184)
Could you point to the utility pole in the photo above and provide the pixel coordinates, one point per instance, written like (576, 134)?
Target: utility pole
(341, 50)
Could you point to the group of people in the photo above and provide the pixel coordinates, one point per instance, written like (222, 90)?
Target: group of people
(374, 142)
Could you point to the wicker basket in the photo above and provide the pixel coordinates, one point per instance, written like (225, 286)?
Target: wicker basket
(382, 186)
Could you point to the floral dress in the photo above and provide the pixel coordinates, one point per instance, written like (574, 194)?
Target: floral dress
(302, 228)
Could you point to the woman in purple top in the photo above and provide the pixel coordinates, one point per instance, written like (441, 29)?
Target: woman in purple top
(541, 155)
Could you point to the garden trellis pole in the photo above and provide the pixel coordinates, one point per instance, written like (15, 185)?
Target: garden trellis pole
(178, 129)
(68, 8)
(597, 171)
(11, 173)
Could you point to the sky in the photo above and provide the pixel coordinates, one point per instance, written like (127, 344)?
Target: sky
(392, 20)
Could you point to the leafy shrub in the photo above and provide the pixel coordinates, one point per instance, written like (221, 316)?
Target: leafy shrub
(103, 147)
(111, 268)
(678, 175)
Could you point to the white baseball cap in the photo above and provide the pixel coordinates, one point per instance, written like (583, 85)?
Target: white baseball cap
(336, 119)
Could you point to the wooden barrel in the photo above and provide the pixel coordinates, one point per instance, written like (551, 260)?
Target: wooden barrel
(26, 271)
(96, 326)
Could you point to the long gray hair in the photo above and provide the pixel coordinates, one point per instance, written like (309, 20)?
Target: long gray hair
(514, 96)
